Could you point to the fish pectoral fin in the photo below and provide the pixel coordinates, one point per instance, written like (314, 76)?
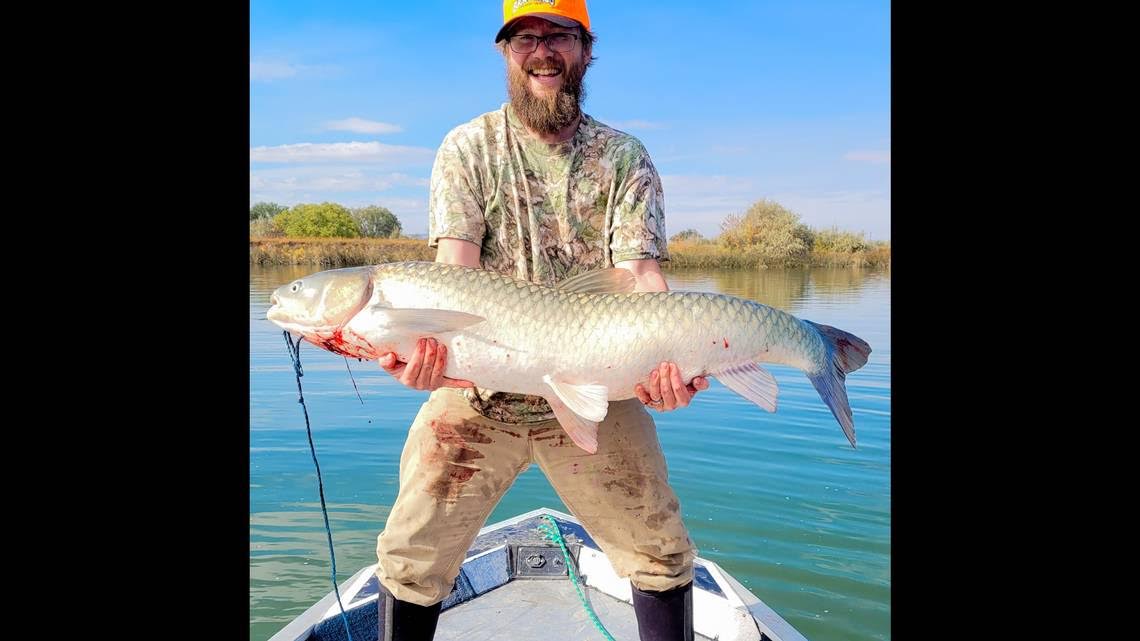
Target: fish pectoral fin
(408, 320)
(588, 400)
(583, 432)
(752, 382)
(612, 280)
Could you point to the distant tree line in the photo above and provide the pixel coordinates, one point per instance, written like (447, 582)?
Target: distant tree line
(770, 235)
(765, 235)
(324, 220)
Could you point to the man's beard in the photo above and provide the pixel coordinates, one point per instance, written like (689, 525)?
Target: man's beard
(547, 113)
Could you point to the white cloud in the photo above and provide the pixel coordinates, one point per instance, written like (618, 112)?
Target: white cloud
(866, 211)
(345, 152)
(329, 179)
(706, 185)
(702, 203)
(404, 194)
(353, 174)
(412, 212)
(874, 156)
(269, 70)
(362, 126)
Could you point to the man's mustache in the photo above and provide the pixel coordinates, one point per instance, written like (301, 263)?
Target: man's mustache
(545, 64)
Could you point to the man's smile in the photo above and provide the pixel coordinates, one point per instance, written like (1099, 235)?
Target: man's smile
(546, 76)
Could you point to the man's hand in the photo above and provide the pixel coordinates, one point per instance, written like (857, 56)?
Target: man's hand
(424, 370)
(666, 391)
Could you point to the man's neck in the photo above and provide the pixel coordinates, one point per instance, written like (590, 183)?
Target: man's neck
(562, 135)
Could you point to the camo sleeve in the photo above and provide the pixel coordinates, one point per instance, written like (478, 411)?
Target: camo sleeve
(638, 226)
(455, 207)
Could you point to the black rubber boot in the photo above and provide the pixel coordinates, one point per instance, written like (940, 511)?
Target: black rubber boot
(403, 621)
(664, 616)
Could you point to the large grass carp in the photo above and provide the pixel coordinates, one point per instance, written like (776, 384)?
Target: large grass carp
(579, 345)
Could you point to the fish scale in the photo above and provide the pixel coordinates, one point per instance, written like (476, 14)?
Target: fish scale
(588, 341)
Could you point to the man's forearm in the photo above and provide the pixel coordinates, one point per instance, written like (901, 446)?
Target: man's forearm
(648, 274)
(454, 251)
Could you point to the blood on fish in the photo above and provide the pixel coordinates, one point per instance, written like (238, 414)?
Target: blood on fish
(725, 342)
(338, 345)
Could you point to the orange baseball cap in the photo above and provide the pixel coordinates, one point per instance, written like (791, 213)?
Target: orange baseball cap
(566, 13)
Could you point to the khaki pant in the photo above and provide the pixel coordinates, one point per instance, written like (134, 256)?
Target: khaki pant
(457, 464)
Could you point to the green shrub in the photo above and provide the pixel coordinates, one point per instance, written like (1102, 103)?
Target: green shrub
(768, 234)
(376, 222)
(326, 220)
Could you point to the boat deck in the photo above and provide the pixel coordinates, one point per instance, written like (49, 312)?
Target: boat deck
(537, 610)
(515, 585)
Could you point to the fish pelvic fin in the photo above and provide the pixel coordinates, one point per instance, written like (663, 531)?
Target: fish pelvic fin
(588, 400)
(583, 432)
(579, 408)
(845, 353)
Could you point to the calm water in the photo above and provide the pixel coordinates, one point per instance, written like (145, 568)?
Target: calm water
(779, 500)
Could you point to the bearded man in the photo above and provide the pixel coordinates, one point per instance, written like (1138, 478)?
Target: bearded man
(540, 191)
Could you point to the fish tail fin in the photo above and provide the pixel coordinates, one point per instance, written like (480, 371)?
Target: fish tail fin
(845, 353)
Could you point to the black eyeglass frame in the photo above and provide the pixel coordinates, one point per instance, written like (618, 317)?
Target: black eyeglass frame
(572, 38)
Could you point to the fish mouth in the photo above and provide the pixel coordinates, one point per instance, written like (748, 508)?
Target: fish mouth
(277, 314)
(280, 316)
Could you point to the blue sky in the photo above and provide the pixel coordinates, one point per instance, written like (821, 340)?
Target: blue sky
(735, 101)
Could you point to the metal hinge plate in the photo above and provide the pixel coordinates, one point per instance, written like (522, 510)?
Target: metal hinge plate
(539, 561)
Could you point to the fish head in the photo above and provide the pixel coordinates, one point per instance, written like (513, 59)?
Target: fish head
(318, 306)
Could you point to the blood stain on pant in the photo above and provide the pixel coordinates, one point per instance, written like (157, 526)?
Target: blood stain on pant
(508, 432)
(655, 521)
(451, 457)
(633, 487)
(554, 443)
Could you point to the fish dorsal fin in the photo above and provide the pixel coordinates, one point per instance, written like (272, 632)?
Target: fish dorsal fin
(752, 382)
(584, 433)
(612, 280)
(405, 320)
(588, 400)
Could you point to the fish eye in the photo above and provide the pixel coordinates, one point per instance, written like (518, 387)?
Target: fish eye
(295, 287)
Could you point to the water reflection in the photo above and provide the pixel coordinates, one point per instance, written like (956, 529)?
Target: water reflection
(841, 280)
(263, 280)
(784, 289)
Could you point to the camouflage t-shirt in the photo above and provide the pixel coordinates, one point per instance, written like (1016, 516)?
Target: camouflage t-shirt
(544, 212)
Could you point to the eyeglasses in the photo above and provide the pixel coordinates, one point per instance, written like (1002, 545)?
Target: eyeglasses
(528, 43)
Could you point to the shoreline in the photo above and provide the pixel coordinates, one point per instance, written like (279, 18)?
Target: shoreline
(351, 252)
